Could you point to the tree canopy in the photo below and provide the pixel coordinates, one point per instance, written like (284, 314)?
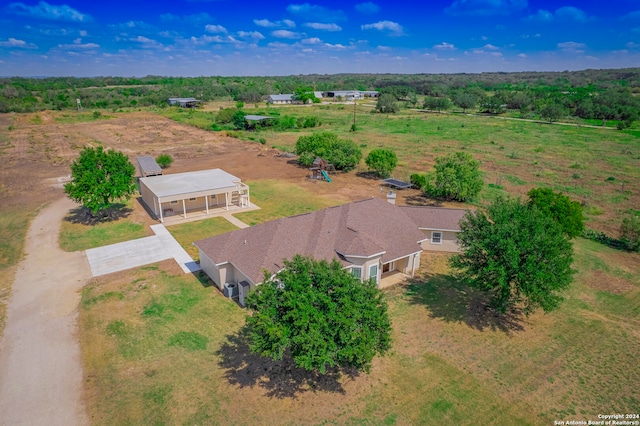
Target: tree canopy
(457, 177)
(382, 161)
(321, 314)
(305, 94)
(99, 177)
(561, 208)
(517, 254)
(387, 103)
(343, 154)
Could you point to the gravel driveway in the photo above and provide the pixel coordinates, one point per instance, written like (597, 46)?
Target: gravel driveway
(40, 364)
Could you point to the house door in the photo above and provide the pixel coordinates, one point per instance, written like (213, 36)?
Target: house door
(388, 267)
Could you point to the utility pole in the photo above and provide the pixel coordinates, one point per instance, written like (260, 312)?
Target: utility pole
(354, 114)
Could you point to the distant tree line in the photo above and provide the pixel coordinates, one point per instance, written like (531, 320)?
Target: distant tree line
(592, 94)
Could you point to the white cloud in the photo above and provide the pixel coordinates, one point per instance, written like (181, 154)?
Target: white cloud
(572, 47)
(522, 55)
(146, 42)
(567, 13)
(570, 13)
(635, 15)
(215, 29)
(335, 46)
(286, 34)
(323, 27)
(265, 23)
(490, 47)
(367, 8)
(632, 45)
(256, 35)
(44, 10)
(195, 19)
(314, 12)
(20, 44)
(79, 45)
(444, 46)
(311, 40)
(541, 16)
(485, 7)
(393, 28)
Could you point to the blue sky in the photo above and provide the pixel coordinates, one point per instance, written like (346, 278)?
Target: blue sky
(231, 37)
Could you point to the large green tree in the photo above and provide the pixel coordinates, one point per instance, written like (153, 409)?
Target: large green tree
(387, 103)
(321, 314)
(457, 177)
(517, 254)
(382, 161)
(561, 208)
(343, 154)
(99, 178)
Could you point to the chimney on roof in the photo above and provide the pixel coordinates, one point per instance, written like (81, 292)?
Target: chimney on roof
(391, 197)
(245, 242)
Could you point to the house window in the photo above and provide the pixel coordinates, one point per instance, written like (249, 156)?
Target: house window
(356, 271)
(436, 238)
(191, 200)
(174, 202)
(373, 273)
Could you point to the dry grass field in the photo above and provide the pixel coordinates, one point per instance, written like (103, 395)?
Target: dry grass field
(161, 347)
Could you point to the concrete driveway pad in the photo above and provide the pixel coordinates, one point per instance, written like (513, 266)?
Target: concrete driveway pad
(140, 252)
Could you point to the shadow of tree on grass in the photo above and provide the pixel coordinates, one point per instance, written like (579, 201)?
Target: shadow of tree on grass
(83, 216)
(422, 200)
(281, 379)
(450, 300)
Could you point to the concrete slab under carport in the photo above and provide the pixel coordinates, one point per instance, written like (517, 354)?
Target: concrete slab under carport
(139, 252)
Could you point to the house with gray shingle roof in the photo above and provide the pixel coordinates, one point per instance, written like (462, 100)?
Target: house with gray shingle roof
(372, 238)
(440, 226)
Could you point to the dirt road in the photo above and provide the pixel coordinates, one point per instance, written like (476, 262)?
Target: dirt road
(40, 363)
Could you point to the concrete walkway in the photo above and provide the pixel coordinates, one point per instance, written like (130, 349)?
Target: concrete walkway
(235, 221)
(135, 253)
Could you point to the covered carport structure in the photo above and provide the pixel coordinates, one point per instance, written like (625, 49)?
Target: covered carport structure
(199, 191)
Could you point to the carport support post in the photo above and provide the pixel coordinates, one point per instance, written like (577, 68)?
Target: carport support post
(160, 205)
(226, 200)
(184, 209)
(206, 203)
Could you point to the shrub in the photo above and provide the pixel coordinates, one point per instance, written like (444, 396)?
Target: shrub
(457, 177)
(225, 115)
(239, 120)
(387, 104)
(382, 161)
(630, 232)
(561, 208)
(419, 180)
(97, 114)
(164, 160)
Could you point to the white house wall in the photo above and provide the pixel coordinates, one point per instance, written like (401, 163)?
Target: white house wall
(449, 242)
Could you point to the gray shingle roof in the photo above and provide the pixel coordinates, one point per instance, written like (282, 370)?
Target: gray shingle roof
(362, 228)
(436, 218)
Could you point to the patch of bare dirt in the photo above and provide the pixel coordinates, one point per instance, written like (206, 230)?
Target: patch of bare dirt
(603, 281)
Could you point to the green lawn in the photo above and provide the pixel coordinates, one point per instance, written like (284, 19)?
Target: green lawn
(278, 199)
(162, 349)
(187, 233)
(76, 234)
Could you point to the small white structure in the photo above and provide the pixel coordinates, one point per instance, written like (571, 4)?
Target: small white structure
(200, 191)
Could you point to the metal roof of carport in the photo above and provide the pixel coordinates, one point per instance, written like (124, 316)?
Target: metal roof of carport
(182, 185)
(148, 166)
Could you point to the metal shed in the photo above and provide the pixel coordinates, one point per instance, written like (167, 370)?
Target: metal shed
(148, 166)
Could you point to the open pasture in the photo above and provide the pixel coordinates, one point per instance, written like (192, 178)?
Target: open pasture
(164, 348)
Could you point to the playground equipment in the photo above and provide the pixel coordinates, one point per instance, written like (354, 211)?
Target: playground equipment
(321, 169)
